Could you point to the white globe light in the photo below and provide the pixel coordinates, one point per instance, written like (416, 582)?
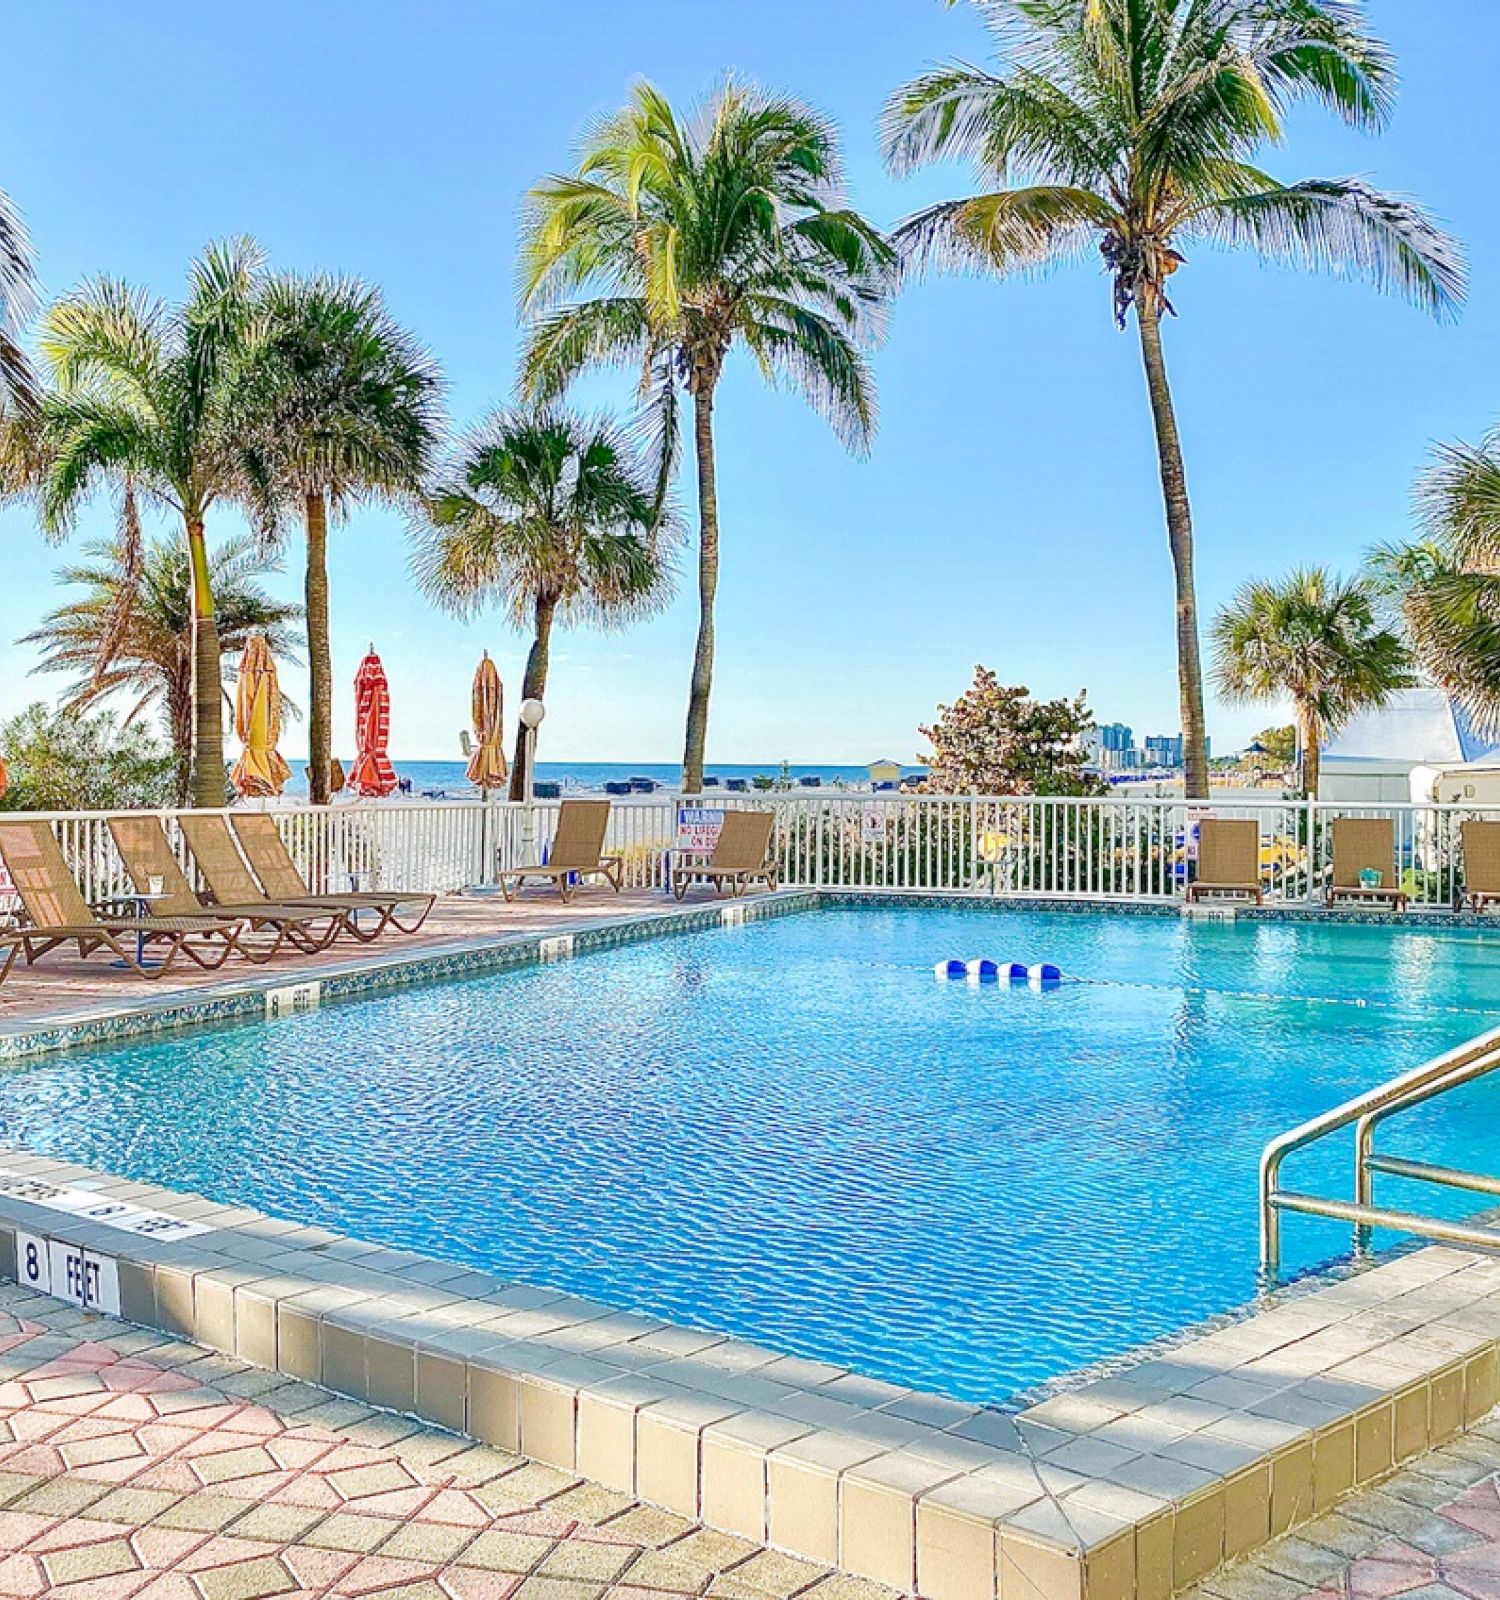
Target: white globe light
(532, 712)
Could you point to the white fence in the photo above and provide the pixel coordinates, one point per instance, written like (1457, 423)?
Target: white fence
(1113, 847)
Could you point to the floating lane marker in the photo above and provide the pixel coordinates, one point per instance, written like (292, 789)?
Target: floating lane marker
(981, 968)
(951, 969)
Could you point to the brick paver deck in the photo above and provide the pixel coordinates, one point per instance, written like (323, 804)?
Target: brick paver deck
(1429, 1532)
(135, 1466)
(61, 983)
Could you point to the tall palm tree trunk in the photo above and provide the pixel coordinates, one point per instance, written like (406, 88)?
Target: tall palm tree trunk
(319, 654)
(180, 721)
(207, 781)
(708, 583)
(1309, 736)
(1180, 538)
(533, 687)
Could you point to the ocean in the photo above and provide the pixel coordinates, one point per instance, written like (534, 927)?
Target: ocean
(448, 780)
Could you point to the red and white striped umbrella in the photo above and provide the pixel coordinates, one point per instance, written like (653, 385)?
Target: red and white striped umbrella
(371, 774)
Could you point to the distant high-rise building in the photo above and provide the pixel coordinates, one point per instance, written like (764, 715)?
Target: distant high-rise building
(1116, 736)
(1163, 750)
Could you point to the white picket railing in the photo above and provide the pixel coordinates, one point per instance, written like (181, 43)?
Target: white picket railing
(1113, 847)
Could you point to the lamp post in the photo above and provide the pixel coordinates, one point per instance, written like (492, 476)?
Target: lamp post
(531, 714)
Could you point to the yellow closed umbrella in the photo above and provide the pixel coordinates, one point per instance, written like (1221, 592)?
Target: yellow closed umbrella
(260, 771)
(487, 764)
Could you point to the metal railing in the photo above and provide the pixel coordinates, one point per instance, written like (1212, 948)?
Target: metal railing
(1366, 1112)
(1113, 847)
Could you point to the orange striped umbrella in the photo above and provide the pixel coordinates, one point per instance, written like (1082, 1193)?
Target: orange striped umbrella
(371, 774)
(487, 764)
(4, 776)
(260, 771)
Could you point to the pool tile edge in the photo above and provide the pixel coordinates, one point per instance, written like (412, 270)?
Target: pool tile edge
(371, 972)
(1132, 1487)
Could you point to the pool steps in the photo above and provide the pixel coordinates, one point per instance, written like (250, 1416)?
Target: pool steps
(1130, 1487)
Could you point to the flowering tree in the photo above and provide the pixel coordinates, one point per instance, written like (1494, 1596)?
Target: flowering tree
(998, 740)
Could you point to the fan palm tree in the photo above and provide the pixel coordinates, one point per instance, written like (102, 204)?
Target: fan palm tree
(142, 402)
(1131, 125)
(556, 517)
(150, 659)
(676, 240)
(341, 406)
(1316, 640)
(1445, 587)
(17, 300)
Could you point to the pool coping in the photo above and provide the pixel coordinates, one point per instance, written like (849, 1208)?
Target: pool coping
(1130, 1487)
(374, 971)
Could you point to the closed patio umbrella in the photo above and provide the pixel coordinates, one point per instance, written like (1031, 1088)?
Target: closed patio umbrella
(487, 763)
(260, 771)
(372, 775)
(4, 777)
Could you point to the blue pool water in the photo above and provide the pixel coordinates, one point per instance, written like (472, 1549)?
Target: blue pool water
(790, 1131)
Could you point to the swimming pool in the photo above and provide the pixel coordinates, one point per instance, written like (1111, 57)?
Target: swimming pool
(791, 1132)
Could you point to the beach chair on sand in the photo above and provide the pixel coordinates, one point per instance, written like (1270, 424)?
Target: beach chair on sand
(1363, 844)
(1481, 841)
(578, 850)
(57, 914)
(1228, 860)
(272, 863)
(741, 856)
(144, 849)
(231, 883)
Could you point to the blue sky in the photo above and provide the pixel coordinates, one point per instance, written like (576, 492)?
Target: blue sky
(1009, 512)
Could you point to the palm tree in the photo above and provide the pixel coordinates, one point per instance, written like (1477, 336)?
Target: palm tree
(142, 402)
(150, 658)
(555, 516)
(672, 242)
(1316, 640)
(1445, 586)
(341, 406)
(1131, 125)
(17, 299)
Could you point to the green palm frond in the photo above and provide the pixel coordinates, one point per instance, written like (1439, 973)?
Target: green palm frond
(1342, 223)
(545, 505)
(672, 226)
(1314, 639)
(1156, 109)
(18, 387)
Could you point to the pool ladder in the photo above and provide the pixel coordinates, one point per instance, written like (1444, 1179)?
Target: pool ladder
(1367, 1111)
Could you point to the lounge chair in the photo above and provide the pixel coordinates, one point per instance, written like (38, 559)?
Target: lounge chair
(272, 863)
(1362, 844)
(1228, 860)
(1481, 842)
(741, 855)
(58, 914)
(143, 848)
(232, 884)
(578, 850)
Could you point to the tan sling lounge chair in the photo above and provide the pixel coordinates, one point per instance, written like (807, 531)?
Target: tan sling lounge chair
(57, 914)
(144, 849)
(741, 855)
(1360, 844)
(232, 884)
(1228, 859)
(1481, 842)
(577, 849)
(272, 863)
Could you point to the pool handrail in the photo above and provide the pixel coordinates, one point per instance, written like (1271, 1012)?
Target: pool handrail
(1462, 1064)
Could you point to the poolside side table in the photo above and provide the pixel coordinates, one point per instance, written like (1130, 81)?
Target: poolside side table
(140, 909)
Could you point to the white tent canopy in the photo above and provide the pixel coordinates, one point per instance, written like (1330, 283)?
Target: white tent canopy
(1371, 758)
